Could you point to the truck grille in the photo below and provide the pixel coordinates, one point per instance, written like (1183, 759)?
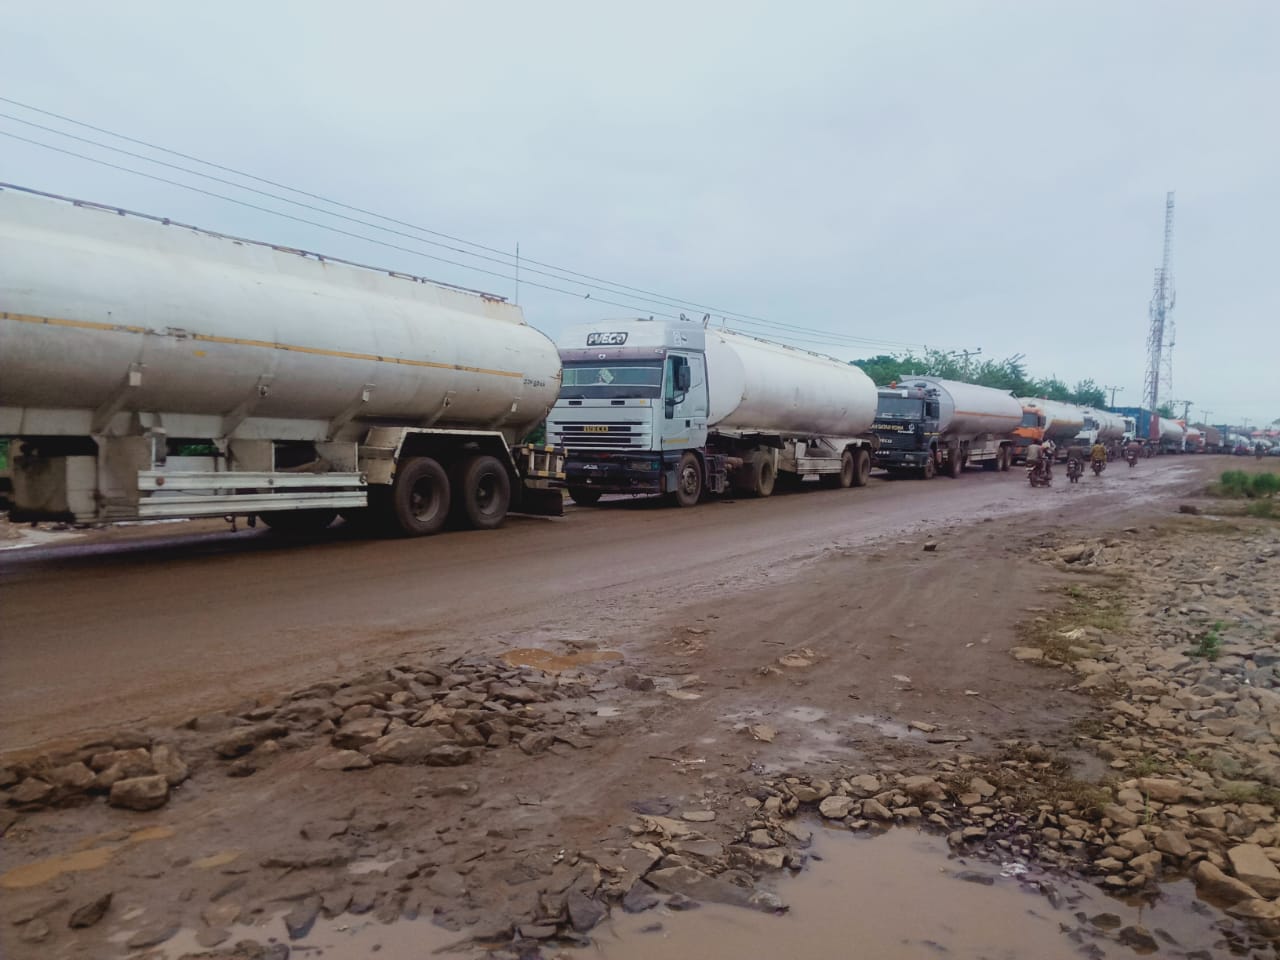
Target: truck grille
(601, 436)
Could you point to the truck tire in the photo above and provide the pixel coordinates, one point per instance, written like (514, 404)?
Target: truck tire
(861, 467)
(482, 491)
(930, 470)
(298, 523)
(953, 465)
(584, 496)
(1006, 457)
(420, 502)
(843, 479)
(688, 481)
(762, 473)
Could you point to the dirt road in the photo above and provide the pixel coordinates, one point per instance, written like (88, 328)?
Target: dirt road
(131, 630)
(369, 747)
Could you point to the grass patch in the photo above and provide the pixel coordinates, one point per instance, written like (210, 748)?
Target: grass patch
(1236, 484)
(1209, 646)
(1149, 764)
(1087, 606)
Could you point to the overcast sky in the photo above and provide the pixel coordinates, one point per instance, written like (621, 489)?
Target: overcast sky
(962, 175)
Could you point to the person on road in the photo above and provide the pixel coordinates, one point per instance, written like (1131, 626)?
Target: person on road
(1037, 462)
(1098, 452)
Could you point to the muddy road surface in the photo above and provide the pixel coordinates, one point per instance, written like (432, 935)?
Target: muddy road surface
(572, 732)
(127, 629)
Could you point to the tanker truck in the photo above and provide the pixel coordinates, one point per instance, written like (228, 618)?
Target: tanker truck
(154, 370)
(673, 408)
(1173, 436)
(927, 425)
(1046, 420)
(1100, 426)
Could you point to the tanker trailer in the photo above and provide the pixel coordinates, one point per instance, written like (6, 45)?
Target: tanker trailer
(1100, 426)
(1173, 436)
(926, 425)
(670, 407)
(150, 370)
(1195, 441)
(1046, 420)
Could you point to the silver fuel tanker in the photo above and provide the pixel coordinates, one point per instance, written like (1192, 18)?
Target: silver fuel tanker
(150, 369)
(927, 425)
(653, 406)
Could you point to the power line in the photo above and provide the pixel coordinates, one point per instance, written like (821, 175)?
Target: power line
(562, 274)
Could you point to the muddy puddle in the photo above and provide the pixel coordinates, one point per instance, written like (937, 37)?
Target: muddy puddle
(94, 855)
(899, 896)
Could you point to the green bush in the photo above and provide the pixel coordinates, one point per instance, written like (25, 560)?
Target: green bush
(1237, 483)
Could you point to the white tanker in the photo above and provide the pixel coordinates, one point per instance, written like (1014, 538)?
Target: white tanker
(150, 369)
(1047, 420)
(1100, 426)
(651, 406)
(927, 425)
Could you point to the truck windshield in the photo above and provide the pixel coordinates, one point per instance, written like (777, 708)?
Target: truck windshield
(900, 408)
(614, 381)
(1031, 419)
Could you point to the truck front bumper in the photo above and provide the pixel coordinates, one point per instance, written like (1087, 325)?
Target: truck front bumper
(894, 459)
(633, 473)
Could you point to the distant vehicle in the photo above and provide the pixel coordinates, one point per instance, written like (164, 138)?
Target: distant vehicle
(1046, 420)
(926, 425)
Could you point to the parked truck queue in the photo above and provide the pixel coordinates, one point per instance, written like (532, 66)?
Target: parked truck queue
(151, 370)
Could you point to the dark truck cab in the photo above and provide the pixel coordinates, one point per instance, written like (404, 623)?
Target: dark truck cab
(906, 425)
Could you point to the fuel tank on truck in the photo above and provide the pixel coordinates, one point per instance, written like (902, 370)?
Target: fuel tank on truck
(1171, 431)
(1110, 426)
(1062, 421)
(204, 332)
(968, 410)
(757, 386)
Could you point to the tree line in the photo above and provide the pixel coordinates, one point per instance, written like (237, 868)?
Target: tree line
(1007, 374)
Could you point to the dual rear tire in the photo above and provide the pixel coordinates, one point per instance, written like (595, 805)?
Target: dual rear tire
(424, 496)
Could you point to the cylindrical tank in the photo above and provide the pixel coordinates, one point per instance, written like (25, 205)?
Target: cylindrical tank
(1171, 431)
(756, 385)
(1110, 426)
(968, 410)
(202, 323)
(1062, 421)
(1195, 439)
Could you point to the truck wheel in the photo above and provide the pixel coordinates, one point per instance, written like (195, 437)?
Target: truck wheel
(420, 497)
(861, 467)
(298, 523)
(930, 470)
(688, 481)
(763, 474)
(1006, 456)
(483, 491)
(953, 465)
(584, 496)
(843, 479)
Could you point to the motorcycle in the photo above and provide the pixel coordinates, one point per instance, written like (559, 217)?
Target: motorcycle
(1038, 474)
(1131, 457)
(1098, 467)
(1074, 470)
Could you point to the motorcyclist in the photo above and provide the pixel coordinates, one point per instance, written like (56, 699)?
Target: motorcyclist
(1035, 457)
(1098, 453)
(1132, 450)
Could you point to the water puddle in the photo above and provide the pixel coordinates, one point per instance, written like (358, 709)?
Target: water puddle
(93, 858)
(898, 896)
(901, 897)
(550, 662)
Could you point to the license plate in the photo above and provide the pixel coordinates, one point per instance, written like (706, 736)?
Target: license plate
(595, 428)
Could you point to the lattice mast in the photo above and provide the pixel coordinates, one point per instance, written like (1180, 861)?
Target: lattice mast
(1161, 334)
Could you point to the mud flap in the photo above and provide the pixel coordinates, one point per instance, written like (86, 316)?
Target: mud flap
(540, 503)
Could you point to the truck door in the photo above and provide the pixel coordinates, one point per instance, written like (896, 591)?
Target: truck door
(684, 397)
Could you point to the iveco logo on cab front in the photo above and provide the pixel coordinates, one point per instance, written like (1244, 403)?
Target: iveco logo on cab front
(606, 339)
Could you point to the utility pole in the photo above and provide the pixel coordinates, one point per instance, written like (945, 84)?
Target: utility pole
(1160, 335)
(967, 354)
(1186, 409)
(1114, 391)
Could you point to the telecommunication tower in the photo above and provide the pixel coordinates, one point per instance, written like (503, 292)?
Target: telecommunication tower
(1160, 336)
